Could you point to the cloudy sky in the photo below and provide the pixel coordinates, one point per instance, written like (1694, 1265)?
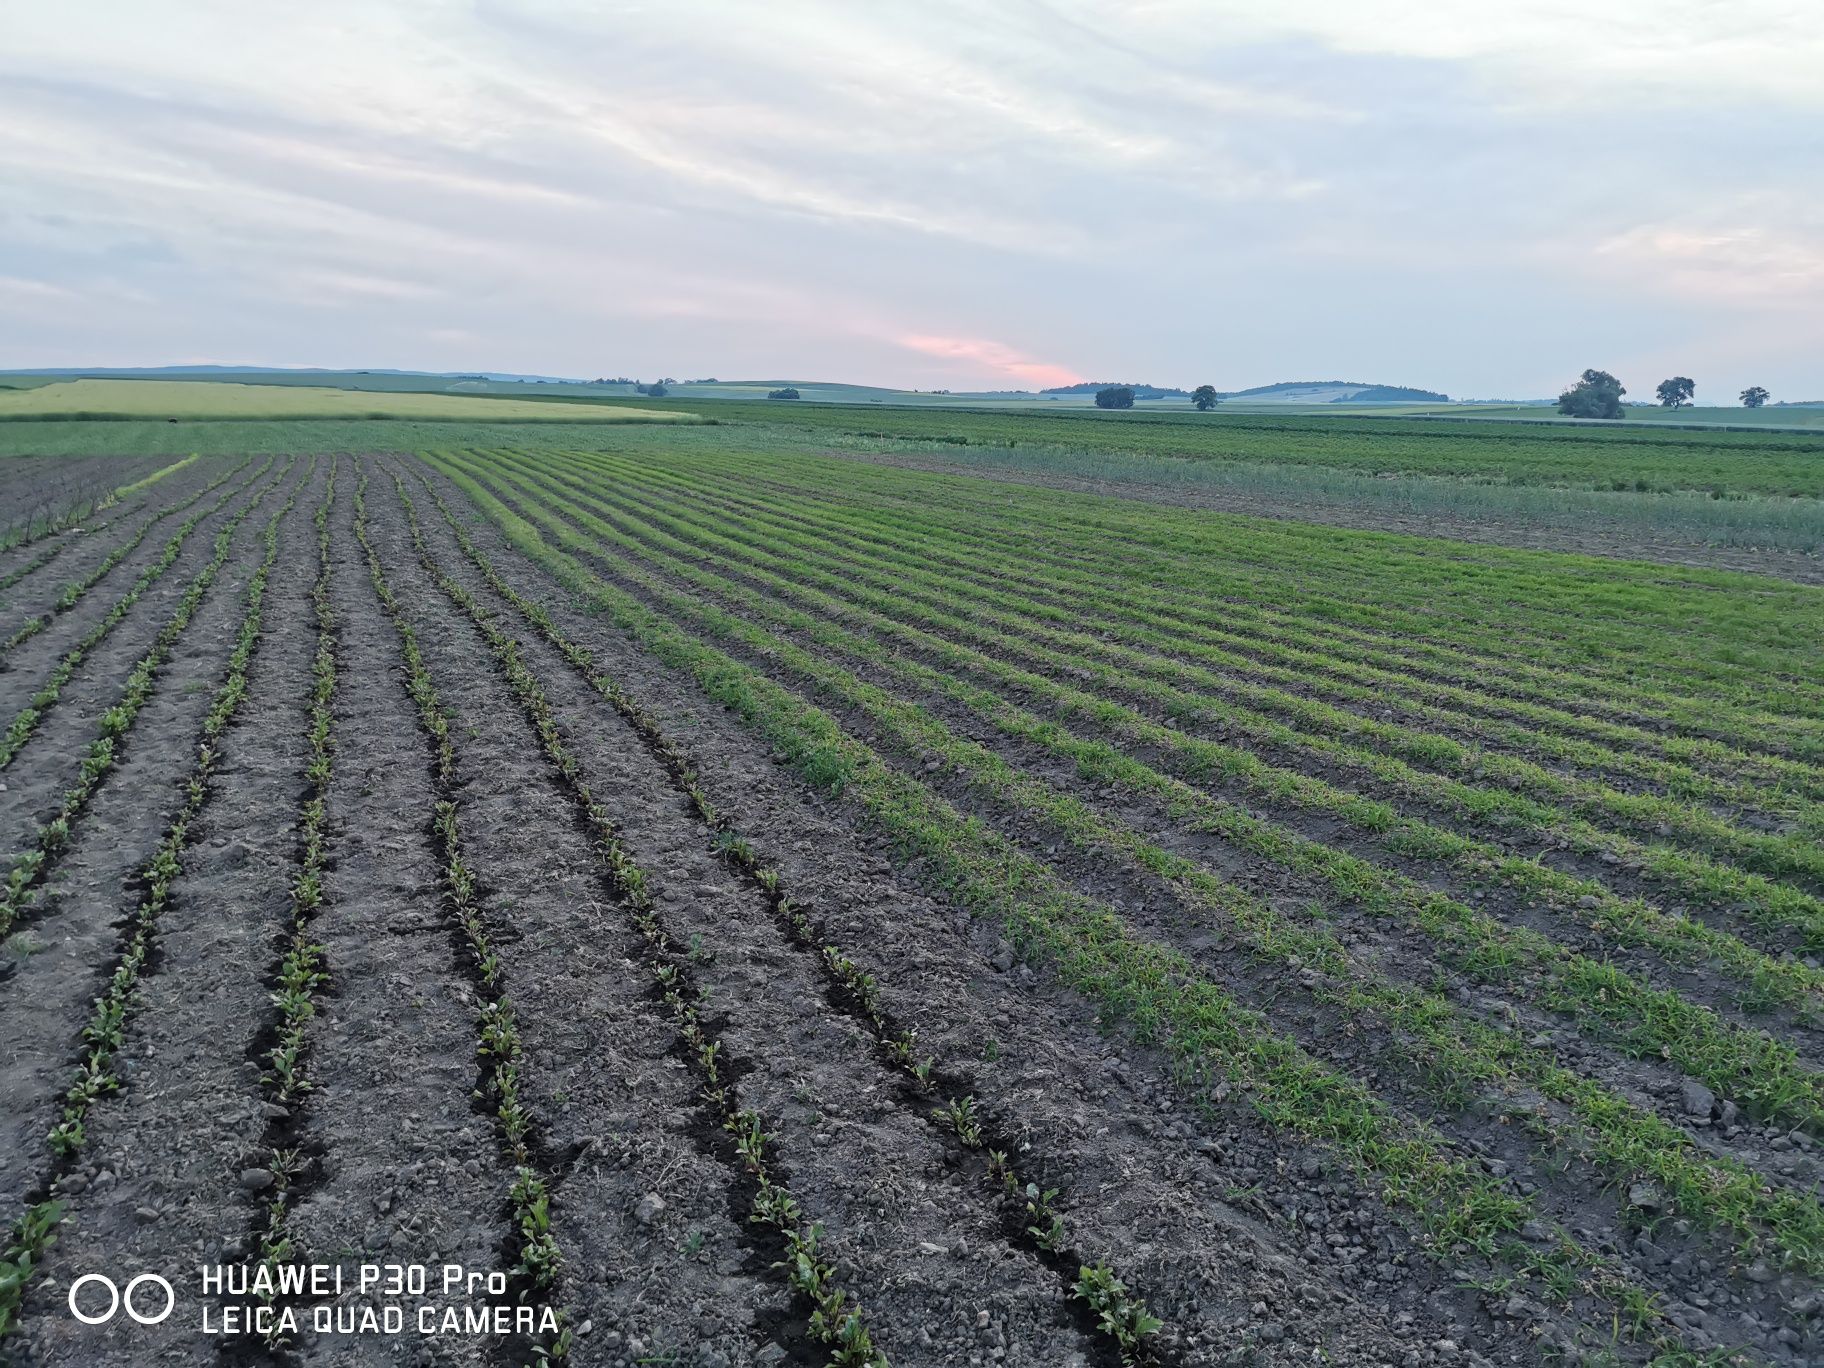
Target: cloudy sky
(1478, 198)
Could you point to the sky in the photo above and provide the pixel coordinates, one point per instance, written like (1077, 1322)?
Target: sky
(1474, 198)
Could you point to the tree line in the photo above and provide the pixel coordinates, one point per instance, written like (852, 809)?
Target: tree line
(1598, 395)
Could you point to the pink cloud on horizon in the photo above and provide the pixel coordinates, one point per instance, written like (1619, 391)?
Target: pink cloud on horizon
(996, 356)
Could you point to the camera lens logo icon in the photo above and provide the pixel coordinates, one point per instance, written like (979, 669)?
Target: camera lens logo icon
(118, 1298)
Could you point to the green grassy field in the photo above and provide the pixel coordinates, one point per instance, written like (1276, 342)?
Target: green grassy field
(128, 399)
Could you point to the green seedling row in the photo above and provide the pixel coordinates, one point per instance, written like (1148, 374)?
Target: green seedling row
(302, 973)
(1626, 1142)
(498, 1044)
(1212, 1039)
(73, 593)
(104, 1034)
(960, 564)
(29, 870)
(836, 1319)
(1629, 921)
(1571, 609)
(1692, 874)
(26, 720)
(1247, 571)
(1500, 949)
(976, 563)
(1120, 1314)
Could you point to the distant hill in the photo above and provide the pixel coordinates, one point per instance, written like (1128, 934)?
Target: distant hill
(1286, 391)
(1140, 391)
(1339, 392)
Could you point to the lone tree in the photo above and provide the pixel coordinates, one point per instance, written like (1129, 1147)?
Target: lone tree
(1596, 395)
(1205, 398)
(1753, 397)
(653, 391)
(1115, 397)
(787, 393)
(1676, 392)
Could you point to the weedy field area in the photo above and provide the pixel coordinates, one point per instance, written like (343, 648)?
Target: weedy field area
(796, 909)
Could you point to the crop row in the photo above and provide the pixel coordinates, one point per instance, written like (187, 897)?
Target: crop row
(1625, 1141)
(1569, 610)
(836, 1320)
(1478, 942)
(30, 869)
(1209, 1035)
(1450, 623)
(104, 1034)
(1081, 656)
(1029, 1208)
(497, 1030)
(73, 592)
(976, 566)
(1205, 761)
(26, 720)
(1137, 599)
(301, 974)
(73, 500)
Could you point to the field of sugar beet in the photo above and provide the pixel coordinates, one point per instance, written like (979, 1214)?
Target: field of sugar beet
(799, 909)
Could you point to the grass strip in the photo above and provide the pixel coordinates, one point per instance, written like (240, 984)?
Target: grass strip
(128, 490)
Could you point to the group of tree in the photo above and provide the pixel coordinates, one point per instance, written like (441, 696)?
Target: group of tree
(1598, 395)
(788, 392)
(1204, 397)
